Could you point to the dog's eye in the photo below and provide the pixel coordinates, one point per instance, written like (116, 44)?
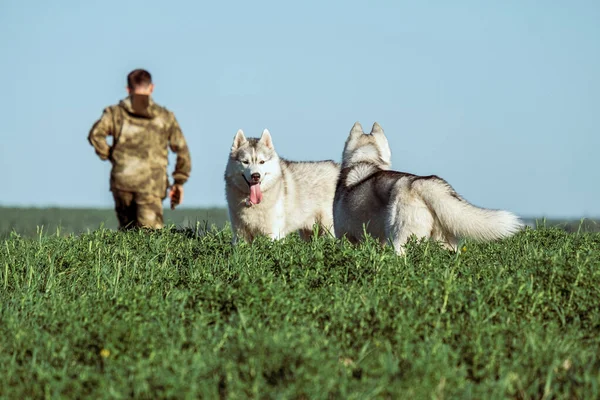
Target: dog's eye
(262, 161)
(245, 162)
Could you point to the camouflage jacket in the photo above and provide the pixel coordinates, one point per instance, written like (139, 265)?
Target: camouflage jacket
(142, 132)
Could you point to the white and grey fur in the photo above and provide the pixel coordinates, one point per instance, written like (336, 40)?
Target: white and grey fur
(296, 195)
(392, 206)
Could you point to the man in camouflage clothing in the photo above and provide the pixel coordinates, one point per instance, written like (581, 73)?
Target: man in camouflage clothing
(142, 131)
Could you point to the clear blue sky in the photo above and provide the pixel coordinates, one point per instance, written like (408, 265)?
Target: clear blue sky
(500, 98)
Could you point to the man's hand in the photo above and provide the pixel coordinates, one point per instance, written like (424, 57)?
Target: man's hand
(176, 195)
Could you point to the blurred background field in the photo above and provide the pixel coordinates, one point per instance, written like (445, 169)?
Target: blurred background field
(30, 222)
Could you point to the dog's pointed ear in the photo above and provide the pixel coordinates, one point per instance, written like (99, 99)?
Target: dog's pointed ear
(356, 130)
(238, 140)
(377, 129)
(266, 139)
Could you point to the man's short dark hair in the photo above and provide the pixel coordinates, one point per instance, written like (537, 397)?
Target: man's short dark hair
(138, 78)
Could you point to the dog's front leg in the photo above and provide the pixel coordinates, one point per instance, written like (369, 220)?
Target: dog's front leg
(241, 233)
(274, 236)
(277, 230)
(277, 222)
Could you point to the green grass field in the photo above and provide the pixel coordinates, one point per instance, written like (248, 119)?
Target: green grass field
(180, 313)
(29, 221)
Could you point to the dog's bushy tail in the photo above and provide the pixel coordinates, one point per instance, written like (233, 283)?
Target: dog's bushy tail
(462, 219)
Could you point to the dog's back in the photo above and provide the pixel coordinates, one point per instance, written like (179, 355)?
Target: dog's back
(365, 199)
(310, 189)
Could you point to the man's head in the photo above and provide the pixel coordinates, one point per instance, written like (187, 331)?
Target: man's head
(139, 81)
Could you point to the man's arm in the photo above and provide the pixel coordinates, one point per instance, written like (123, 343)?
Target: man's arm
(101, 129)
(178, 145)
(183, 165)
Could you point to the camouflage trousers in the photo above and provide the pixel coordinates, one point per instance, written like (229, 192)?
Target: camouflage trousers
(136, 210)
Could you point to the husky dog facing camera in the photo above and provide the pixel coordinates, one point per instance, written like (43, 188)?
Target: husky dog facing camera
(268, 195)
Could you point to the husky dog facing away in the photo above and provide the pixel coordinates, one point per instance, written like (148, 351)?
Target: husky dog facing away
(393, 205)
(268, 195)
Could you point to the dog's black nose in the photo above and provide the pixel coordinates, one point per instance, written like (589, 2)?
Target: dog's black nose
(255, 177)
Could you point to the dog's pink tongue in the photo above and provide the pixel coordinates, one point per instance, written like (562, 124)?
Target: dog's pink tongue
(255, 194)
